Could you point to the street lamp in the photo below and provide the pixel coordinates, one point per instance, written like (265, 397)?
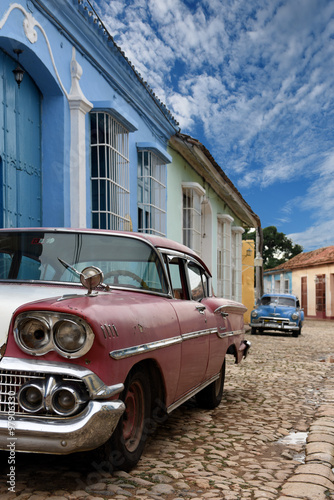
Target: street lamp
(18, 71)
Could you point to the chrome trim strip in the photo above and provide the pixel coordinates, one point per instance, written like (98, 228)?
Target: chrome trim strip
(109, 331)
(192, 393)
(275, 326)
(230, 308)
(65, 435)
(143, 348)
(200, 333)
(161, 344)
(230, 334)
(273, 318)
(96, 387)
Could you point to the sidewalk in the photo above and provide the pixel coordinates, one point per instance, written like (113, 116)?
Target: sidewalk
(314, 480)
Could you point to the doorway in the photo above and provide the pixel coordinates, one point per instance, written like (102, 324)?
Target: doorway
(20, 149)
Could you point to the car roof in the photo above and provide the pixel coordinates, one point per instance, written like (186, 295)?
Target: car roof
(158, 242)
(290, 295)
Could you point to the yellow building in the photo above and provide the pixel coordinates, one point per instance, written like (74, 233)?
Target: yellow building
(248, 295)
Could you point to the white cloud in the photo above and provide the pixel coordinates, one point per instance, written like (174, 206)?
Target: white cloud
(255, 76)
(320, 196)
(317, 236)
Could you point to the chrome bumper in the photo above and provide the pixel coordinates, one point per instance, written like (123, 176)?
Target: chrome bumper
(275, 326)
(46, 433)
(61, 436)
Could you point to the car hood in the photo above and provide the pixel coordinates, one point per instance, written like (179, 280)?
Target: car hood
(14, 295)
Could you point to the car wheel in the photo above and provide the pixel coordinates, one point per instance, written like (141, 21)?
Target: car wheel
(297, 333)
(125, 446)
(253, 331)
(211, 396)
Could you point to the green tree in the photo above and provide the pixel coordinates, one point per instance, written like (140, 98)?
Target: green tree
(277, 247)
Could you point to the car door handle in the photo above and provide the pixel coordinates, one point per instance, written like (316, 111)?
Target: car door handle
(201, 309)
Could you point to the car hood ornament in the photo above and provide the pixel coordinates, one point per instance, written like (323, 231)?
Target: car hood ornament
(91, 277)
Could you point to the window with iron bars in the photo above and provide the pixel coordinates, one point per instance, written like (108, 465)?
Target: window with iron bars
(109, 173)
(151, 194)
(192, 219)
(224, 253)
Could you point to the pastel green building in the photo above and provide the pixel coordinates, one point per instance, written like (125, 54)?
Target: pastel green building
(206, 212)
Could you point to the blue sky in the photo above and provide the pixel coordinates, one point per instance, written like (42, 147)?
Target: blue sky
(254, 82)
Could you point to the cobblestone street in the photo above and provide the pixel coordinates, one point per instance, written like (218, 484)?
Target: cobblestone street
(253, 446)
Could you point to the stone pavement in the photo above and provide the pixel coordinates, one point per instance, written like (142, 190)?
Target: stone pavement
(252, 447)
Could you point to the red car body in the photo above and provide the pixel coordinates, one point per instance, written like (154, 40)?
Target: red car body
(96, 369)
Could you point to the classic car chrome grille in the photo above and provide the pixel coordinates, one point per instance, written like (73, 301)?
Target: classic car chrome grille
(11, 381)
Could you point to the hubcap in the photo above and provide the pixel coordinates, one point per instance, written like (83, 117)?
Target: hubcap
(133, 420)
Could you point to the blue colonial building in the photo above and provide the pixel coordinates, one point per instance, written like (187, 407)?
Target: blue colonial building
(277, 281)
(83, 139)
(84, 142)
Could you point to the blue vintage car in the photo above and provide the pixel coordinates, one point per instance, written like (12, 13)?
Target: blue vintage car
(276, 311)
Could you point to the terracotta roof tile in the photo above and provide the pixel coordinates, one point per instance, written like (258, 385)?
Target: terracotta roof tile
(317, 257)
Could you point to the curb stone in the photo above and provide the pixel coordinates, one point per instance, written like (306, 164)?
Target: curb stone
(314, 480)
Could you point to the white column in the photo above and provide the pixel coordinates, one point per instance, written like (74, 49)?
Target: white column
(79, 107)
(238, 231)
(227, 220)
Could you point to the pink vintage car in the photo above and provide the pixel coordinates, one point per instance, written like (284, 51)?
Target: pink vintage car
(102, 333)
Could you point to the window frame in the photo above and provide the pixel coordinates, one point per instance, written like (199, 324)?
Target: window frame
(110, 179)
(151, 192)
(224, 255)
(184, 261)
(192, 215)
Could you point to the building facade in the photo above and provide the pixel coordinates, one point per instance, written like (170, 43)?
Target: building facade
(206, 212)
(84, 142)
(311, 275)
(80, 128)
(277, 282)
(248, 268)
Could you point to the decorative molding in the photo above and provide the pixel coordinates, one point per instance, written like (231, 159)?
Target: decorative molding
(238, 230)
(79, 107)
(156, 149)
(195, 186)
(76, 97)
(29, 25)
(120, 115)
(225, 218)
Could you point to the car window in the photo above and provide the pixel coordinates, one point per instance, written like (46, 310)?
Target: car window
(197, 285)
(266, 301)
(124, 261)
(282, 301)
(286, 301)
(5, 264)
(175, 268)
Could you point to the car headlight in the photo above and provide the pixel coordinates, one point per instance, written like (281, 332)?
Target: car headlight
(294, 316)
(69, 336)
(254, 314)
(40, 332)
(33, 334)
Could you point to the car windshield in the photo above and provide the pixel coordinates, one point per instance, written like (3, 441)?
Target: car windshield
(281, 301)
(125, 261)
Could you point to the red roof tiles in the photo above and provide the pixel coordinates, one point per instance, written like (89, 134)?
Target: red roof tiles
(308, 259)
